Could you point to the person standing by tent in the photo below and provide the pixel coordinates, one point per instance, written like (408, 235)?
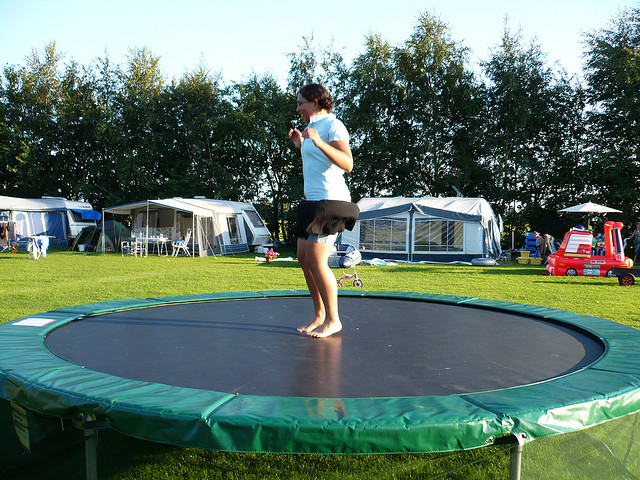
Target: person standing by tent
(636, 241)
(327, 208)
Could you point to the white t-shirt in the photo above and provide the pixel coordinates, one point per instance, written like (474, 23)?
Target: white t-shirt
(324, 180)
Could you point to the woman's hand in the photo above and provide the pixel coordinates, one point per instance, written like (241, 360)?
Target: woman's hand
(338, 152)
(296, 137)
(312, 134)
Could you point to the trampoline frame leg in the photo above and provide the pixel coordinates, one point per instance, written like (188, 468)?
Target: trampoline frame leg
(91, 453)
(90, 426)
(515, 458)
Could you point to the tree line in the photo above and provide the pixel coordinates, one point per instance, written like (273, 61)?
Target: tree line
(423, 122)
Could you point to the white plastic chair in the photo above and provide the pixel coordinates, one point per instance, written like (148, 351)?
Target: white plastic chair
(139, 248)
(32, 248)
(125, 247)
(178, 246)
(38, 246)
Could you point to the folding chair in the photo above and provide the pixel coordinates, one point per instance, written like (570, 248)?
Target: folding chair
(138, 248)
(178, 246)
(125, 248)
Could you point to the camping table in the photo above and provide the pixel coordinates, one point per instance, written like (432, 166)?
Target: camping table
(159, 244)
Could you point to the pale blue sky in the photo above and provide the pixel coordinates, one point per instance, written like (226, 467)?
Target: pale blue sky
(238, 37)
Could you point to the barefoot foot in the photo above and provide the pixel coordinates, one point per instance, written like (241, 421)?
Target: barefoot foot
(326, 330)
(315, 323)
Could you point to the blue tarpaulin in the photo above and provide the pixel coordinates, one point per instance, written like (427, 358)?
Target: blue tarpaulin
(88, 214)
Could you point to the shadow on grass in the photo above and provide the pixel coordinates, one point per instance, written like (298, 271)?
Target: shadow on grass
(120, 458)
(583, 281)
(462, 269)
(58, 453)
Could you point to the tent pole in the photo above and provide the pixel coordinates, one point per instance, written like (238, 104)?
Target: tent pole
(411, 236)
(146, 236)
(103, 227)
(513, 227)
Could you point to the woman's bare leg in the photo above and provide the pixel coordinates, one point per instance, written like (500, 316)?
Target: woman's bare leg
(316, 257)
(318, 306)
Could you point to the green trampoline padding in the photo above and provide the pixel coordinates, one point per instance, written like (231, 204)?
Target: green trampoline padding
(609, 387)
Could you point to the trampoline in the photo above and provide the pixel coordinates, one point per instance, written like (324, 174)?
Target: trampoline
(409, 373)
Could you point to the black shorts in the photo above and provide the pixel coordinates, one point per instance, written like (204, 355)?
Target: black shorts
(325, 217)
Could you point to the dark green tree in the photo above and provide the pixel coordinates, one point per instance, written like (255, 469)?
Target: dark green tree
(267, 113)
(519, 100)
(439, 104)
(138, 103)
(372, 112)
(202, 147)
(564, 147)
(311, 64)
(613, 91)
(31, 108)
(103, 187)
(14, 148)
(79, 127)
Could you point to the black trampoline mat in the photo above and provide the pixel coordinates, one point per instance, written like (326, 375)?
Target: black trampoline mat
(388, 347)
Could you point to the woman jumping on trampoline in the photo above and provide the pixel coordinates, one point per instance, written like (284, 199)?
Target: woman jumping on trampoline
(327, 208)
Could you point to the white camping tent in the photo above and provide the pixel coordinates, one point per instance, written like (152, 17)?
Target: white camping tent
(56, 217)
(217, 226)
(429, 228)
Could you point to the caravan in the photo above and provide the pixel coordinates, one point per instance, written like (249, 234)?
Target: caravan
(57, 218)
(79, 215)
(257, 231)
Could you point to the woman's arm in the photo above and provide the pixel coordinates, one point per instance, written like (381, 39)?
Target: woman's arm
(338, 151)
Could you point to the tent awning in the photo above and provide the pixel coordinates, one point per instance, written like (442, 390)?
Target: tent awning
(463, 209)
(168, 203)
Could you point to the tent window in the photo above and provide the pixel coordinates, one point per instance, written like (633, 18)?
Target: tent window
(21, 229)
(234, 230)
(384, 234)
(184, 223)
(437, 235)
(141, 219)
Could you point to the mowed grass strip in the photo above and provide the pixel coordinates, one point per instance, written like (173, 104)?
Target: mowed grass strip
(70, 278)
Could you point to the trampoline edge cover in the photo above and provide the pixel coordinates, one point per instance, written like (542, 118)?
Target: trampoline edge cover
(32, 376)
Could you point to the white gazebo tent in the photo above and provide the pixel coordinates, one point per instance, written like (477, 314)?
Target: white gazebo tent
(176, 215)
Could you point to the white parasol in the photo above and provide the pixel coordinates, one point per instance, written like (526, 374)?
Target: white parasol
(589, 207)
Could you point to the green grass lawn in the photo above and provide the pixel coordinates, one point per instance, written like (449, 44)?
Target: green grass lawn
(73, 278)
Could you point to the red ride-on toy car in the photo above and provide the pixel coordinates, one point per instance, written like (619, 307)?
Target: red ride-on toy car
(576, 255)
